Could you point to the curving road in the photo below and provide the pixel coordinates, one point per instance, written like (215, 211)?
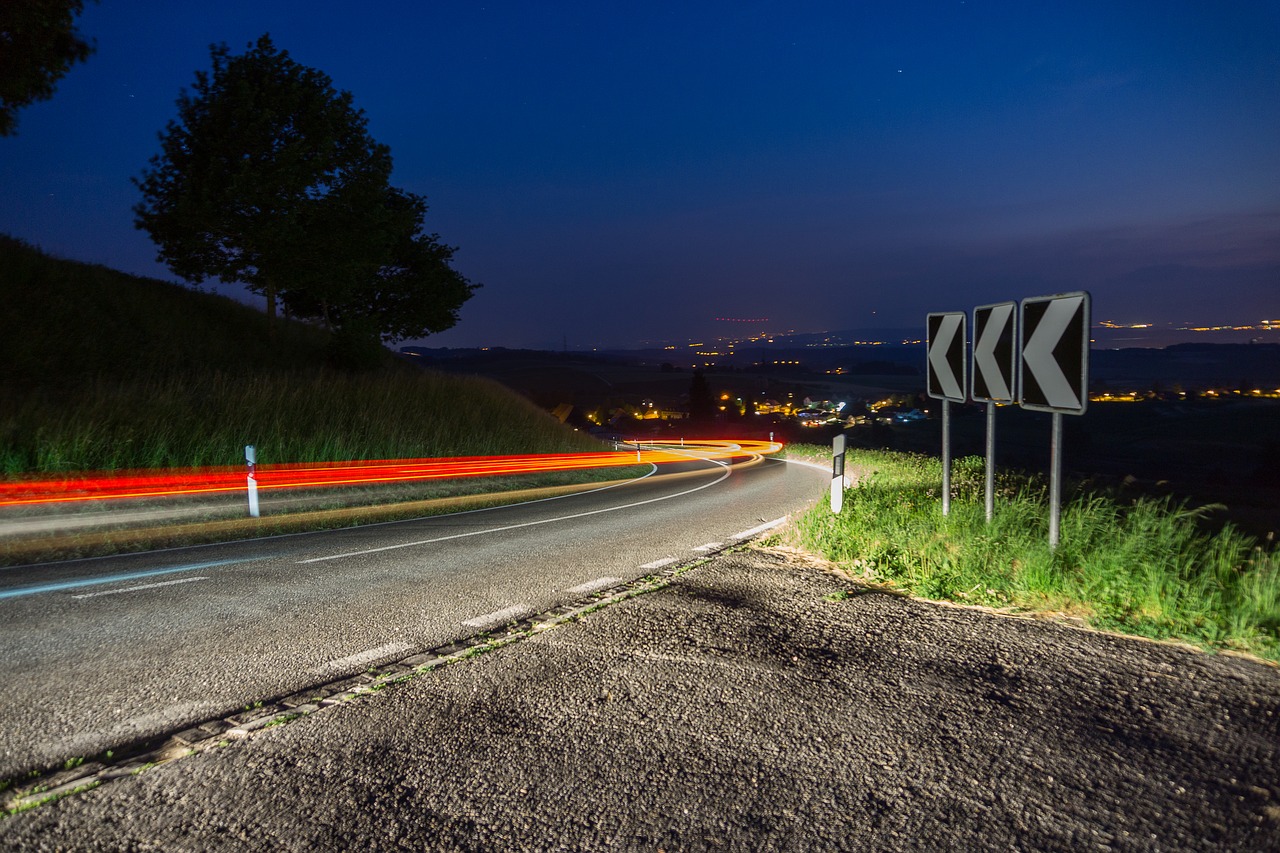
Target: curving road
(102, 652)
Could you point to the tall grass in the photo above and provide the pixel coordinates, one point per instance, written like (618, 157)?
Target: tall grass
(208, 418)
(103, 370)
(1144, 567)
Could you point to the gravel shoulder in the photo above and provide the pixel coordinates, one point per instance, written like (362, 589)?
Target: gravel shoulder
(746, 706)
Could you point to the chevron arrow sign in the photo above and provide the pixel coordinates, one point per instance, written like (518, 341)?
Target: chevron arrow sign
(946, 361)
(1053, 373)
(994, 353)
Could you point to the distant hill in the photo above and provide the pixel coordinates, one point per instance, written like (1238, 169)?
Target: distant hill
(100, 369)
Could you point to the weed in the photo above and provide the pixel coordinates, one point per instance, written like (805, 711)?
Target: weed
(1141, 567)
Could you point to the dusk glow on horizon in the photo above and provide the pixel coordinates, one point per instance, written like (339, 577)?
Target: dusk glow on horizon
(617, 174)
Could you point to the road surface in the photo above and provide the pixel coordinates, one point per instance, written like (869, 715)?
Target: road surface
(105, 652)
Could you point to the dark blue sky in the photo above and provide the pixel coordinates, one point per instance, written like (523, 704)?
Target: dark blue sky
(619, 172)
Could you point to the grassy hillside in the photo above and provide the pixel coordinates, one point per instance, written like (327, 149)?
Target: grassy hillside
(103, 370)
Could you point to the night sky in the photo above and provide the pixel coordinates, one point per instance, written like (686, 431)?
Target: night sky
(615, 173)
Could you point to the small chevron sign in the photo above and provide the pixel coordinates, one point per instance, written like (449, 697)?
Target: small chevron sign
(994, 352)
(1053, 373)
(947, 377)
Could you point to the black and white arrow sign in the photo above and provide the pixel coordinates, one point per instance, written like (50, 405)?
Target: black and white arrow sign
(1054, 369)
(994, 355)
(946, 368)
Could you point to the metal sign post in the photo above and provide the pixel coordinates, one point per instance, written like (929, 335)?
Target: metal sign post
(947, 379)
(1053, 374)
(837, 473)
(946, 457)
(994, 370)
(251, 459)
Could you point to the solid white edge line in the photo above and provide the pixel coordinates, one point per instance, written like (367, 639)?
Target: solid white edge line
(507, 614)
(592, 586)
(138, 587)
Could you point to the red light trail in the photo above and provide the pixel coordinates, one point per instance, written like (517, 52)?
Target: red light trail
(175, 482)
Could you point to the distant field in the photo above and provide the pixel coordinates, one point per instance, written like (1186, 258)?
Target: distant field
(1210, 452)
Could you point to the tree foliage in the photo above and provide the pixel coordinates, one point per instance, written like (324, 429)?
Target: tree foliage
(38, 45)
(269, 177)
(702, 404)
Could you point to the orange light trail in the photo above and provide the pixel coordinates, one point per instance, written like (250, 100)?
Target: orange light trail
(175, 482)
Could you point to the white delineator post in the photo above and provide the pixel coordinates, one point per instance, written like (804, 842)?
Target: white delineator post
(251, 459)
(837, 473)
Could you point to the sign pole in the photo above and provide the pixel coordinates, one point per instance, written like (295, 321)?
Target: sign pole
(995, 356)
(251, 459)
(946, 378)
(991, 461)
(1055, 480)
(1053, 375)
(946, 457)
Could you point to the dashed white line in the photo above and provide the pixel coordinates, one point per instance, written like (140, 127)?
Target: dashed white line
(497, 617)
(362, 658)
(757, 530)
(657, 564)
(505, 528)
(710, 546)
(138, 587)
(592, 586)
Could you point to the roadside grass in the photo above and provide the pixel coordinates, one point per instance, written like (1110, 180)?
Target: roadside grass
(101, 370)
(1144, 567)
(206, 418)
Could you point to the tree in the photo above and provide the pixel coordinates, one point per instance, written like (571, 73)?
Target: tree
(392, 281)
(269, 177)
(38, 45)
(702, 405)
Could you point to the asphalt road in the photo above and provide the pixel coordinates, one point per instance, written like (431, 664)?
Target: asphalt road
(104, 652)
(756, 703)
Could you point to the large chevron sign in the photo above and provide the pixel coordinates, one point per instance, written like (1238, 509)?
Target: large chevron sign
(946, 367)
(1053, 373)
(994, 352)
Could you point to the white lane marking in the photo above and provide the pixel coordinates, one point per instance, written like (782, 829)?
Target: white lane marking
(592, 586)
(719, 479)
(362, 658)
(657, 564)
(768, 525)
(138, 587)
(710, 546)
(498, 617)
